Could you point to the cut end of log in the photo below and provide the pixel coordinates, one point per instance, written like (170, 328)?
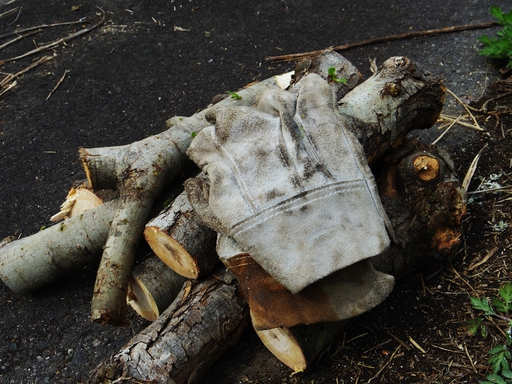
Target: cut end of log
(284, 346)
(77, 202)
(171, 253)
(426, 167)
(141, 300)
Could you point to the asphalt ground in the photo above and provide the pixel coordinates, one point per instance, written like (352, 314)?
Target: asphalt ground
(151, 61)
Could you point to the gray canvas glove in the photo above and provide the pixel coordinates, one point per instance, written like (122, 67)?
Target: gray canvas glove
(290, 184)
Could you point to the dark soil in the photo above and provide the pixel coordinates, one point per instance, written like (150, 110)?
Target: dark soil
(137, 70)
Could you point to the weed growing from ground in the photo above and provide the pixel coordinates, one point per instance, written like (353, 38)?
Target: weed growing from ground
(500, 47)
(499, 356)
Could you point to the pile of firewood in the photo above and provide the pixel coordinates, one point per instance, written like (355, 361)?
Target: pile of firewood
(197, 307)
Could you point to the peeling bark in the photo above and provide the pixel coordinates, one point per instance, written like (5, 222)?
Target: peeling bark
(202, 323)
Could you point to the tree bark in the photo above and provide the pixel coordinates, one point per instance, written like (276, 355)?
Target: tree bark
(182, 242)
(34, 261)
(398, 98)
(202, 323)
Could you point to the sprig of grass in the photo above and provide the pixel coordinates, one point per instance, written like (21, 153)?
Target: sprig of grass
(500, 47)
(499, 356)
(234, 95)
(332, 75)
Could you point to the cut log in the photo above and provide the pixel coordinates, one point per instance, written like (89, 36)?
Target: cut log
(396, 99)
(202, 323)
(299, 346)
(34, 261)
(77, 201)
(182, 242)
(153, 287)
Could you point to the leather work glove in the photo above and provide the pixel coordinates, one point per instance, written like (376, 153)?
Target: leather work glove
(290, 184)
(342, 295)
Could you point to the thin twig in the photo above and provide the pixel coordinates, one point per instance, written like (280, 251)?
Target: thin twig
(465, 107)
(386, 364)
(430, 32)
(21, 37)
(446, 130)
(43, 26)
(461, 123)
(60, 41)
(57, 85)
(11, 86)
(17, 15)
(7, 13)
(11, 77)
(484, 260)
(472, 169)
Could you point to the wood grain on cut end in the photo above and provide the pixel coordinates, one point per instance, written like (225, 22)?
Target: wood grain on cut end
(281, 342)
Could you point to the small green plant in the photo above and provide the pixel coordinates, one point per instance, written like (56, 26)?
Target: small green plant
(332, 75)
(234, 95)
(501, 47)
(499, 356)
(193, 134)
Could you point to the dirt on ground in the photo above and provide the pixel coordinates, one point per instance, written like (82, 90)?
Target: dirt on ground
(153, 60)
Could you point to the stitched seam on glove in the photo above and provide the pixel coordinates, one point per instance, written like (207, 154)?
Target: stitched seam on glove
(296, 202)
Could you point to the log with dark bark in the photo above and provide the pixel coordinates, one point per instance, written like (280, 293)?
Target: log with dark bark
(204, 321)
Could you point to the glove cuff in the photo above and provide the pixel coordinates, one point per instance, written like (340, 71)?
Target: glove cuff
(286, 239)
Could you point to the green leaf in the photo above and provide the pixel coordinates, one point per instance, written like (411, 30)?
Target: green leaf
(482, 305)
(498, 358)
(506, 292)
(234, 95)
(506, 373)
(497, 13)
(499, 305)
(332, 74)
(495, 379)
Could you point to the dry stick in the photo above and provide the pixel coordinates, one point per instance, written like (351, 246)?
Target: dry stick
(7, 79)
(11, 86)
(43, 26)
(446, 130)
(466, 108)
(484, 260)
(7, 13)
(57, 85)
(461, 123)
(472, 169)
(60, 41)
(430, 32)
(21, 37)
